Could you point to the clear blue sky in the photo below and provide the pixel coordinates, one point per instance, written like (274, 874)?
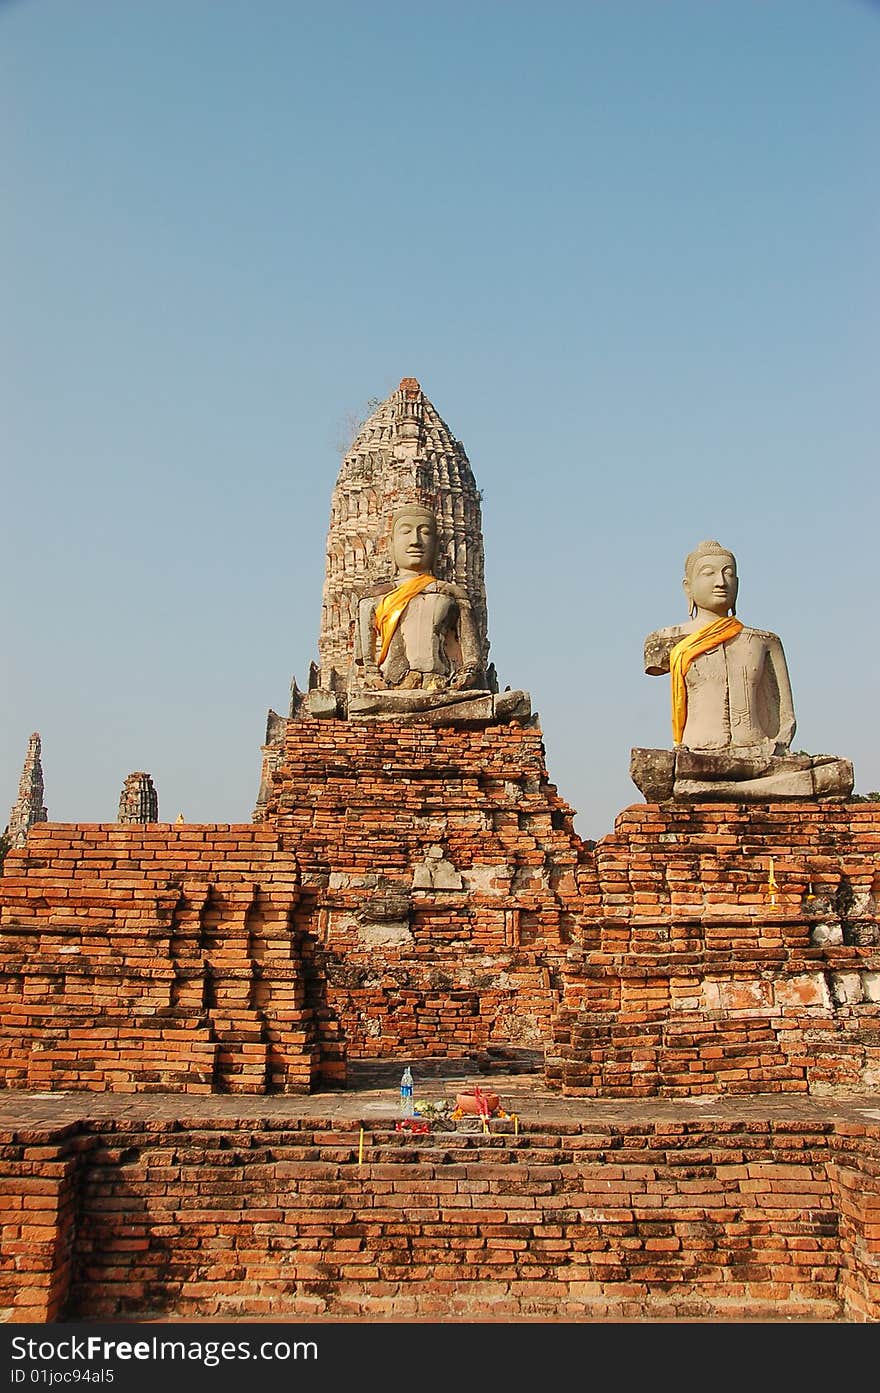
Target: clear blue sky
(629, 248)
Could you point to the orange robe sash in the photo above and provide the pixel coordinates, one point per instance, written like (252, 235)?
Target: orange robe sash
(683, 654)
(389, 610)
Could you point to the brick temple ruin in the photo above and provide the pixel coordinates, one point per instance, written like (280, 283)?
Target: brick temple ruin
(699, 991)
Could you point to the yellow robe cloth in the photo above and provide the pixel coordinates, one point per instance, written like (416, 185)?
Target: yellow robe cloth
(683, 654)
(389, 610)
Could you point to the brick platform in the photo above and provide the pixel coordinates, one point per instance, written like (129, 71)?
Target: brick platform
(283, 1208)
(690, 975)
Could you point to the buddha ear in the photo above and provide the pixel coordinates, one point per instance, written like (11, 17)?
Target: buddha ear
(692, 609)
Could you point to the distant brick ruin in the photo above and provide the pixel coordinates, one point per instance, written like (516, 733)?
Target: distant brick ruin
(138, 801)
(28, 809)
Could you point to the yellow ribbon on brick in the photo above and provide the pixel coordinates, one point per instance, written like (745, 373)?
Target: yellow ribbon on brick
(389, 610)
(683, 654)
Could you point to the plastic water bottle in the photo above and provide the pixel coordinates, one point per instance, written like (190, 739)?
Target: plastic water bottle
(406, 1093)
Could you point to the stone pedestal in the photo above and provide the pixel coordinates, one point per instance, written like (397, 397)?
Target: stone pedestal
(736, 775)
(439, 708)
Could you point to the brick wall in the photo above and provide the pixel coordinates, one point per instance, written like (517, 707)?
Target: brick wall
(218, 1217)
(154, 958)
(429, 972)
(277, 954)
(38, 1173)
(687, 978)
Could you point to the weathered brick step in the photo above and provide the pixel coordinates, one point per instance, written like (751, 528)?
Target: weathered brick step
(676, 1218)
(335, 1154)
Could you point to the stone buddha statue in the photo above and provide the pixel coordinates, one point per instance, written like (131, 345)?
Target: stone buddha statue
(733, 716)
(418, 632)
(417, 649)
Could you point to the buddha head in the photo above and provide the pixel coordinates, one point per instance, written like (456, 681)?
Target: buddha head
(710, 580)
(414, 538)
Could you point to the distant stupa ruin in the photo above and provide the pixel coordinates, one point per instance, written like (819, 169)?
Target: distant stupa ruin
(138, 801)
(28, 807)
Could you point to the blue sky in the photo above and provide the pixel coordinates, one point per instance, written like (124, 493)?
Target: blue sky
(628, 249)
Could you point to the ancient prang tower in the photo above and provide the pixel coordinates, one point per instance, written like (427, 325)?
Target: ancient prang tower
(28, 808)
(403, 453)
(138, 801)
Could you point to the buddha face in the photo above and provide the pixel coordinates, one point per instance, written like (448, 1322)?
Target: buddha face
(712, 583)
(414, 540)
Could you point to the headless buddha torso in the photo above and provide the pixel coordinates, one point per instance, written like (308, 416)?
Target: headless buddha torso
(426, 638)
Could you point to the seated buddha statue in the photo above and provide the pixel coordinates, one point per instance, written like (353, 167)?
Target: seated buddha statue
(418, 631)
(417, 649)
(733, 718)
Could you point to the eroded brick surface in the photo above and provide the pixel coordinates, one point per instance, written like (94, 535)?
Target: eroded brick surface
(313, 1218)
(687, 978)
(430, 971)
(268, 955)
(153, 958)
